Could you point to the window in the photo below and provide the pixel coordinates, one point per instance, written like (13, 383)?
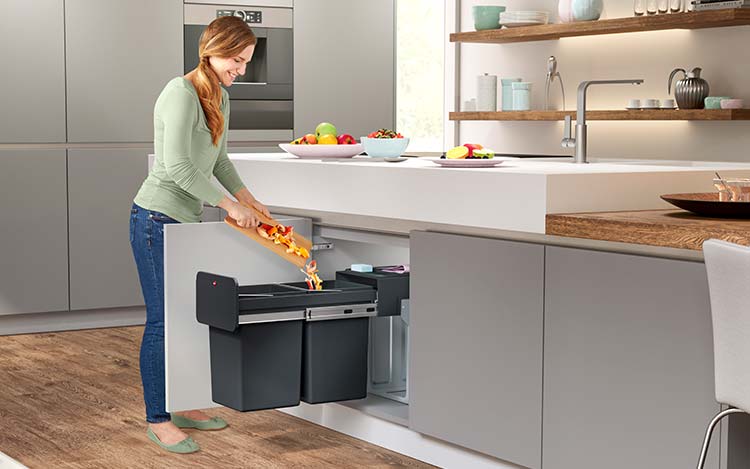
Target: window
(420, 72)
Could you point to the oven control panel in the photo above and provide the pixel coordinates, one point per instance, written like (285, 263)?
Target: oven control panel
(248, 16)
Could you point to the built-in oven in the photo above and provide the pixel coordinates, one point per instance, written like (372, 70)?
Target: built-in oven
(262, 104)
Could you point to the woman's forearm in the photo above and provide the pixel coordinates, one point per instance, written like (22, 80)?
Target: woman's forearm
(244, 197)
(227, 204)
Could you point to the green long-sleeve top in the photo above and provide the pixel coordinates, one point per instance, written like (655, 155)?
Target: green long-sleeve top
(180, 178)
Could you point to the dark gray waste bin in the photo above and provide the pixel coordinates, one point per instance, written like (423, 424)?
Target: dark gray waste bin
(258, 366)
(256, 354)
(335, 345)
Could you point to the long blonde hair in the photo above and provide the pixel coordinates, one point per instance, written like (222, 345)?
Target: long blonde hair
(226, 36)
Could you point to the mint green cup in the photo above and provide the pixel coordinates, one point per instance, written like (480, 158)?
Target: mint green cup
(487, 16)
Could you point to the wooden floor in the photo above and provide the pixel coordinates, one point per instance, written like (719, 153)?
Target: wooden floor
(73, 400)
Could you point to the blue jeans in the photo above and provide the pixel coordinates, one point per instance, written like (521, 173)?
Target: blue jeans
(147, 241)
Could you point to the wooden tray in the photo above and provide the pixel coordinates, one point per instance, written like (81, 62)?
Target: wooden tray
(707, 204)
(279, 249)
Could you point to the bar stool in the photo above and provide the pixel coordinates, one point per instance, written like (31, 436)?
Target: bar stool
(728, 268)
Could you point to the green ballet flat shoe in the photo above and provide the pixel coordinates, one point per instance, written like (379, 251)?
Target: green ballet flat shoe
(214, 423)
(188, 445)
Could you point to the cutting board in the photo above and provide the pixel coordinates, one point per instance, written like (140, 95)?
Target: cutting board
(279, 249)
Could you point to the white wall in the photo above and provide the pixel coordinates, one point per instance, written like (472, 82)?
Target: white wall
(724, 55)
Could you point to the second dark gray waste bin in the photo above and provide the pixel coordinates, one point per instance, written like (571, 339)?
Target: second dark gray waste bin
(334, 363)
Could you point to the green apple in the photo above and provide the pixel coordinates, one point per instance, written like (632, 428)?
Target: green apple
(325, 128)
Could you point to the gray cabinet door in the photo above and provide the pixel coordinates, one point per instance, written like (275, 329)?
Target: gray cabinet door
(628, 371)
(33, 231)
(475, 369)
(336, 68)
(32, 97)
(102, 185)
(120, 54)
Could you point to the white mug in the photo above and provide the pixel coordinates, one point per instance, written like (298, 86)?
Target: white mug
(634, 104)
(668, 104)
(650, 103)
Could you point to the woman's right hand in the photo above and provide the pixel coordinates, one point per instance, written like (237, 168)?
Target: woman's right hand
(245, 217)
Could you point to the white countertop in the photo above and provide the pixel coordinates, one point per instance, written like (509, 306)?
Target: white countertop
(514, 196)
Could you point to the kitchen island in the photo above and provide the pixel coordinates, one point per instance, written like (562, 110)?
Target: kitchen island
(524, 348)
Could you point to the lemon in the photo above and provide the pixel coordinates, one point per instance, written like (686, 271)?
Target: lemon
(457, 153)
(327, 139)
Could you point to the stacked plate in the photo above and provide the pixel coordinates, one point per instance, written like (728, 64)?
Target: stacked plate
(514, 19)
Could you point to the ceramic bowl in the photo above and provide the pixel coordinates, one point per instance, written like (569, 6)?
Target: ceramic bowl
(713, 102)
(732, 104)
(384, 147)
(487, 16)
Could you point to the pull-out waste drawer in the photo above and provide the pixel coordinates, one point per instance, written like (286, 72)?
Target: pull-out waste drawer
(273, 345)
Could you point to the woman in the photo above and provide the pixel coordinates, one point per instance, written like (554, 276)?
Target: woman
(190, 140)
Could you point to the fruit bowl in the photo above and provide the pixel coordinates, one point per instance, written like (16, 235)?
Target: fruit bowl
(385, 147)
(316, 152)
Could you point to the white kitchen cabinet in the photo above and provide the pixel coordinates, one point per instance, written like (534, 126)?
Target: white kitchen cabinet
(32, 97)
(475, 368)
(33, 232)
(102, 184)
(119, 56)
(344, 65)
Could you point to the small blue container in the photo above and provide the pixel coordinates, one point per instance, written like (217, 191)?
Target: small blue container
(384, 147)
(522, 96)
(507, 87)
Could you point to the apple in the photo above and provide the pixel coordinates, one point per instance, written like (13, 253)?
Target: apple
(325, 128)
(346, 139)
(309, 139)
(472, 147)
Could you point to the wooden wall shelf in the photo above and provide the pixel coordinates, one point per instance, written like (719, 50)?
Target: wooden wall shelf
(692, 20)
(624, 115)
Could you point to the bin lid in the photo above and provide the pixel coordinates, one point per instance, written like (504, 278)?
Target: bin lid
(295, 296)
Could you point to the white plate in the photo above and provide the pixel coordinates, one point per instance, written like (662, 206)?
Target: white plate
(525, 13)
(524, 17)
(534, 17)
(521, 24)
(475, 163)
(316, 152)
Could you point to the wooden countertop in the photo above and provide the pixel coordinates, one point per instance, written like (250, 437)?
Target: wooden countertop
(665, 228)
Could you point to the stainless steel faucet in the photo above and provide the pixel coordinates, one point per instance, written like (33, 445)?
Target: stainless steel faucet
(579, 142)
